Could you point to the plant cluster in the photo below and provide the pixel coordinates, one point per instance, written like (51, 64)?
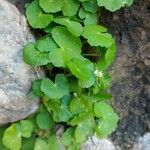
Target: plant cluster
(75, 52)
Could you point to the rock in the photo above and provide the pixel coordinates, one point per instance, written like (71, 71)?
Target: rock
(15, 75)
(143, 143)
(97, 144)
(131, 71)
(20, 4)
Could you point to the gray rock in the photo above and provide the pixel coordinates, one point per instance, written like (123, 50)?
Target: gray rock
(20, 4)
(97, 144)
(15, 75)
(143, 143)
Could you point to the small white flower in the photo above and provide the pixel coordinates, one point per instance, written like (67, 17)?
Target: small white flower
(75, 94)
(98, 73)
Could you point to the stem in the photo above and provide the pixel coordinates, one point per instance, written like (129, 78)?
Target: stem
(90, 55)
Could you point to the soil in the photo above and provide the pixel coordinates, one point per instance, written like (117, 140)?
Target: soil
(131, 70)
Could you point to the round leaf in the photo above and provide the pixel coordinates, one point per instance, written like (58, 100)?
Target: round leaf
(73, 26)
(12, 138)
(45, 44)
(97, 36)
(113, 5)
(43, 120)
(90, 6)
(26, 127)
(55, 90)
(34, 57)
(36, 17)
(68, 136)
(83, 69)
(40, 145)
(70, 7)
(57, 57)
(51, 5)
(70, 44)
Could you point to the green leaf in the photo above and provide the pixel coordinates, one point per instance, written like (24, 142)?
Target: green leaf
(89, 18)
(44, 121)
(107, 126)
(70, 44)
(100, 96)
(40, 145)
(103, 110)
(97, 36)
(74, 146)
(74, 27)
(60, 111)
(2, 130)
(114, 5)
(51, 5)
(90, 6)
(36, 88)
(70, 7)
(110, 54)
(79, 118)
(28, 143)
(57, 57)
(107, 56)
(50, 27)
(77, 105)
(104, 82)
(73, 85)
(83, 69)
(83, 0)
(12, 138)
(82, 13)
(68, 137)
(36, 17)
(108, 119)
(55, 90)
(45, 44)
(34, 57)
(84, 130)
(54, 143)
(26, 128)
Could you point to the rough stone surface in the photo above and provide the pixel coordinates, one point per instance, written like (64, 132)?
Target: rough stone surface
(143, 143)
(20, 4)
(97, 144)
(131, 71)
(15, 75)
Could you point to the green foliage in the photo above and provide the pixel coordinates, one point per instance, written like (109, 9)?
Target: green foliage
(114, 5)
(83, 69)
(33, 56)
(55, 90)
(36, 17)
(40, 145)
(74, 92)
(97, 36)
(12, 135)
(12, 138)
(44, 120)
(51, 5)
